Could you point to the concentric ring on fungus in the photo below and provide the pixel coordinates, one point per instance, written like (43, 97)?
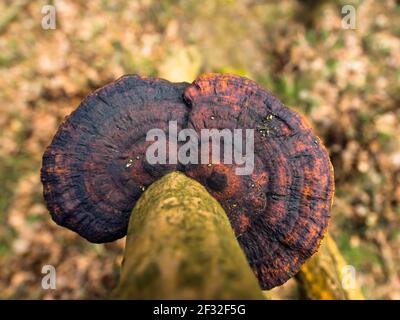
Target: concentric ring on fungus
(95, 169)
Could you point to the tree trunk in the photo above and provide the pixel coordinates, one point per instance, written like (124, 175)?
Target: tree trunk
(180, 245)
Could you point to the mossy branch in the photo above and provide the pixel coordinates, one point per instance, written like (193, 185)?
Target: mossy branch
(326, 275)
(180, 245)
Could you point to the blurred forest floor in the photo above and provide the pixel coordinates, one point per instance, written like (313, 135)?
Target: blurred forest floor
(346, 82)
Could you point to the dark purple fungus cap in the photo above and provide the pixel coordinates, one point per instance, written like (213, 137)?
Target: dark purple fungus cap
(95, 169)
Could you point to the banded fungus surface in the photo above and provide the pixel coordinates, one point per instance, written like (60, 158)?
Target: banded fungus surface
(95, 169)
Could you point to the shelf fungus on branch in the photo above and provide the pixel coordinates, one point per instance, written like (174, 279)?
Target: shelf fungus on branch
(95, 169)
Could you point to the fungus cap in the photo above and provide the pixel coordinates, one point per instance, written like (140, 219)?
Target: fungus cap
(95, 169)
(280, 212)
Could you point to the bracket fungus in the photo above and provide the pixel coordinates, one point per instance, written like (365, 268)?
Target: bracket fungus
(95, 169)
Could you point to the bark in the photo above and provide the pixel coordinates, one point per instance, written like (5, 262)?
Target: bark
(327, 276)
(180, 245)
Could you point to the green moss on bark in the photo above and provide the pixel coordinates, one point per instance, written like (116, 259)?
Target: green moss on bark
(180, 245)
